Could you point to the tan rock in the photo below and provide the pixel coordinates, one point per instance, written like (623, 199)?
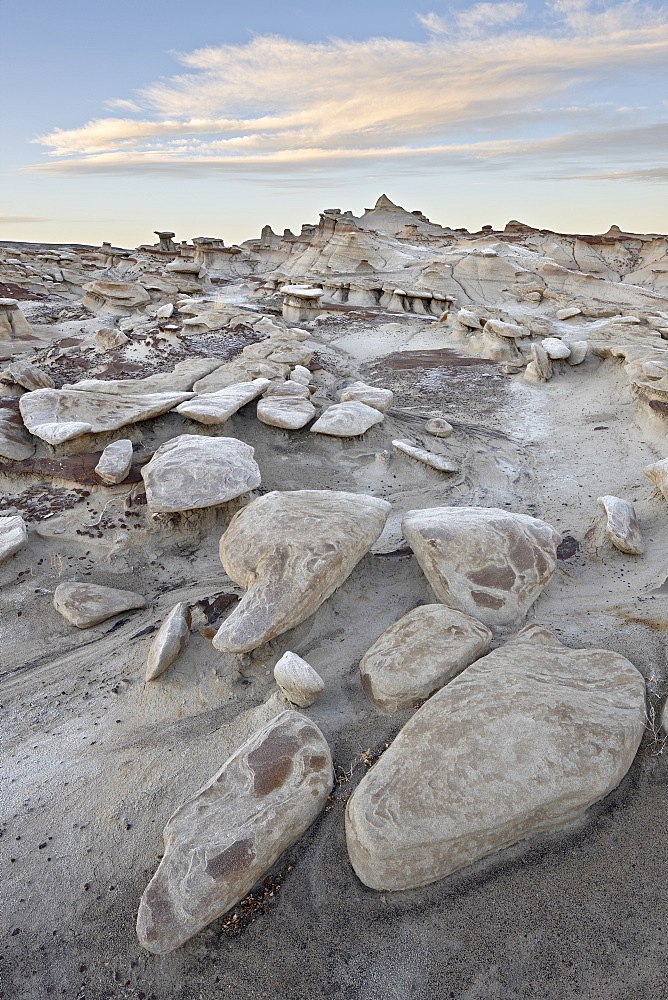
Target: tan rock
(289, 412)
(86, 604)
(347, 419)
(555, 348)
(15, 441)
(222, 840)
(29, 376)
(190, 472)
(568, 312)
(13, 535)
(380, 399)
(217, 407)
(488, 562)
(438, 427)
(290, 388)
(115, 461)
(118, 298)
(291, 551)
(170, 641)
(430, 458)
(297, 679)
(419, 654)
(106, 339)
(58, 415)
(495, 756)
(13, 324)
(658, 474)
(180, 379)
(621, 525)
(578, 351)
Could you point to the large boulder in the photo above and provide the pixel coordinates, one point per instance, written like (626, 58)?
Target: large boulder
(291, 551)
(180, 379)
(419, 654)
(190, 472)
(521, 742)
(58, 415)
(116, 298)
(488, 562)
(222, 840)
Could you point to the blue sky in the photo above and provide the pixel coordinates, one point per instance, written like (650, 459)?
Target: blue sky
(216, 119)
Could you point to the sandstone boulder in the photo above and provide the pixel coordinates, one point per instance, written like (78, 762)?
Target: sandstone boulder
(419, 654)
(658, 474)
(380, 399)
(29, 376)
(301, 374)
(86, 604)
(521, 742)
(170, 641)
(438, 427)
(180, 379)
(223, 839)
(347, 419)
(621, 525)
(488, 562)
(578, 351)
(13, 535)
(287, 411)
(291, 551)
(556, 349)
(58, 415)
(15, 442)
(430, 458)
(115, 461)
(118, 298)
(297, 679)
(106, 339)
(190, 472)
(218, 407)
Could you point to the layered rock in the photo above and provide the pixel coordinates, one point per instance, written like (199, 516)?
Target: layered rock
(29, 376)
(117, 298)
(190, 472)
(488, 562)
(13, 324)
(495, 756)
(15, 441)
(419, 654)
(223, 839)
(217, 407)
(86, 604)
(621, 525)
(170, 641)
(13, 535)
(291, 551)
(347, 419)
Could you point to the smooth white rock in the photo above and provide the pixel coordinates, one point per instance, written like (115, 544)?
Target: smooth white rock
(556, 349)
(380, 399)
(438, 462)
(622, 526)
(217, 407)
(349, 419)
(288, 412)
(169, 642)
(115, 461)
(297, 679)
(13, 535)
(438, 427)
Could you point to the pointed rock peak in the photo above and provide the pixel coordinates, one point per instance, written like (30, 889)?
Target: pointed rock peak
(385, 203)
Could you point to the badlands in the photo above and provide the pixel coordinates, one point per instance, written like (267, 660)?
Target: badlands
(334, 603)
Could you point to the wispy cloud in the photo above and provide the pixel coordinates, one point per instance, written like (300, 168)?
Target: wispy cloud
(474, 92)
(12, 220)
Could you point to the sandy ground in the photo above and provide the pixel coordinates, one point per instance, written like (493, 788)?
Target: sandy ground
(99, 760)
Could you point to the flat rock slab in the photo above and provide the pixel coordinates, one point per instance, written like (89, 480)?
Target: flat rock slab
(13, 535)
(58, 415)
(347, 419)
(289, 412)
(430, 458)
(621, 525)
(86, 604)
(115, 461)
(419, 654)
(222, 840)
(371, 395)
(521, 742)
(170, 641)
(218, 407)
(29, 376)
(180, 379)
(290, 551)
(15, 441)
(488, 562)
(191, 472)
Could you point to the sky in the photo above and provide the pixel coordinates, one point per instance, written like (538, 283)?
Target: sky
(217, 118)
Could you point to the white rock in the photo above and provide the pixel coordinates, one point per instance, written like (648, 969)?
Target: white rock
(622, 527)
(556, 349)
(347, 419)
(380, 399)
(469, 319)
(297, 679)
(288, 412)
(579, 350)
(438, 427)
(13, 535)
(438, 462)
(115, 461)
(501, 329)
(218, 407)
(301, 374)
(164, 312)
(190, 472)
(568, 312)
(86, 604)
(658, 474)
(170, 641)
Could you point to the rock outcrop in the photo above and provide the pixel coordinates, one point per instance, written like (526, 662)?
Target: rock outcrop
(291, 551)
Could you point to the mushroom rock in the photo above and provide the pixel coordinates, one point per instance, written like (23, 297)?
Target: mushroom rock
(493, 757)
(223, 839)
(300, 303)
(371, 395)
(118, 298)
(291, 551)
(218, 407)
(13, 535)
(190, 471)
(621, 525)
(13, 324)
(468, 319)
(58, 415)
(297, 679)
(349, 419)
(488, 562)
(419, 654)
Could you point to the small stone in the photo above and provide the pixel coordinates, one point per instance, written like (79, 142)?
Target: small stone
(556, 349)
(164, 312)
(469, 319)
(568, 312)
(170, 641)
(419, 654)
(107, 339)
(297, 679)
(622, 527)
(658, 474)
(29, 376)
(579, 350)
(438, 427)
(349, 419)
(115, 461)
(190, 472)
(438, 462)
(13, 535)
(86, 604)
(380, 399)
(220, 842)
(301, 374)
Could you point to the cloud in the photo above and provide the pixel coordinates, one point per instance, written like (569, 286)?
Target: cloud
(478, 90)
(11, 220)
(120, 104)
